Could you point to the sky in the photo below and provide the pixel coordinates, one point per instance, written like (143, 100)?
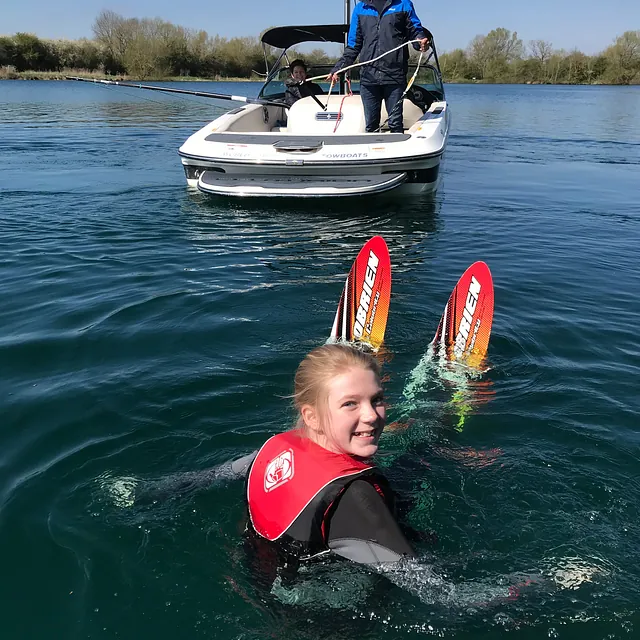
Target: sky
(588, 25)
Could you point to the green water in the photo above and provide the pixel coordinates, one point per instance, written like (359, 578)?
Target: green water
(148, 332)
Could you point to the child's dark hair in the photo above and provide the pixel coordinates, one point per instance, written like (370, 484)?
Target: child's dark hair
(297, 63)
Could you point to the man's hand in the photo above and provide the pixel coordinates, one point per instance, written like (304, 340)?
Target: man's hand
(424, 44)
(334, 77)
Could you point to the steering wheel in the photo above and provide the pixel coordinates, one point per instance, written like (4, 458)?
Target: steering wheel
(420, 97)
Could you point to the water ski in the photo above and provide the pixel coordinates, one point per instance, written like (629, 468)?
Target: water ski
(462, 338)
(363, 310)
(465, 327)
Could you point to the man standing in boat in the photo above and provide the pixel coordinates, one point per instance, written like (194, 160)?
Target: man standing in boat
(378, 26)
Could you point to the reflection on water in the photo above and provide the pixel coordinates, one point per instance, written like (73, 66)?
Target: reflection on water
(72, 104)
(573, 572)
(418, 213)
(281, 235)
(158, 112)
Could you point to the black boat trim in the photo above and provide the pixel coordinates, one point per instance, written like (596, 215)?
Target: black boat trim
(313, 164)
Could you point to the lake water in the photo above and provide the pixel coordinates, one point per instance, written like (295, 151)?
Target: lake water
(147, 331)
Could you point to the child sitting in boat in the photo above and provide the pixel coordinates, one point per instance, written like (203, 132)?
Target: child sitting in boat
(297, 86)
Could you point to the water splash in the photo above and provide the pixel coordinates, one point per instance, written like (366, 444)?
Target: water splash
(120, 491)
(572, 572)
(436, 371)
(339, 586)
(436, 389)
(434, 588)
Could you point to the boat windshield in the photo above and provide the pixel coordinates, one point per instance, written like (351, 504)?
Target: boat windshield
(274, 89)
(429, 79)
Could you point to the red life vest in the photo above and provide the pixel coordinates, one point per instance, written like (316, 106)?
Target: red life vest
(293, 482)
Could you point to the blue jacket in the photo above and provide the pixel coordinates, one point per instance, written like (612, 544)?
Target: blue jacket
(372, 33)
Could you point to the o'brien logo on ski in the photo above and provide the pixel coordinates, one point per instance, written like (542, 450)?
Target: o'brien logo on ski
(467, 321)
(361, 325)
(279, 470)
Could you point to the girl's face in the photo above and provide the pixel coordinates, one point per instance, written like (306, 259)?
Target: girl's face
(355, 414)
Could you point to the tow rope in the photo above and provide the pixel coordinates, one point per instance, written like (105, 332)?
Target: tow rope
(361, 64)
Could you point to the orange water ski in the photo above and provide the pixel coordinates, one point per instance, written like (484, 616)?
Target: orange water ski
(465, 327)
(364, 304)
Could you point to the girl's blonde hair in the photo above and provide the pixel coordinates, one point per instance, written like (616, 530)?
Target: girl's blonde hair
(318, 368)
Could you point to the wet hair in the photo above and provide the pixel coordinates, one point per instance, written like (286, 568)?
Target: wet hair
(321, 366)
(297, 63)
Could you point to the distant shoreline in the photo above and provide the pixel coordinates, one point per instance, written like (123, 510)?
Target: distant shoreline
(57, 76)
(87, 75)
(153, 49)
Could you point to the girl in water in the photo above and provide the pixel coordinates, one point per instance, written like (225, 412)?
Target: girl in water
(314, 490)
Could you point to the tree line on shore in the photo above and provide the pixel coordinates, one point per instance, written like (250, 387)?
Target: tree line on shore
(153, 48)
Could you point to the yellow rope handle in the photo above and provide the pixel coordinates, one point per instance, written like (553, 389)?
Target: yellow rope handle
(415, 73)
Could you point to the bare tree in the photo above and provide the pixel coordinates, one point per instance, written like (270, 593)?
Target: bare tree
(114, 33)
(541, 50)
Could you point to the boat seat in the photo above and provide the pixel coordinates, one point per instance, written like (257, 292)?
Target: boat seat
(306, 118)
(411, 113)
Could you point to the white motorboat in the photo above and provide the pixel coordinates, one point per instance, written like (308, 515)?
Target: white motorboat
(318, 146)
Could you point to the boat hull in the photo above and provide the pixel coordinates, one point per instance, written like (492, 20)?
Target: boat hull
(273, 161)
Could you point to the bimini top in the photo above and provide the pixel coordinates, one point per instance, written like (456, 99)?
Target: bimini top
(285, 37)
